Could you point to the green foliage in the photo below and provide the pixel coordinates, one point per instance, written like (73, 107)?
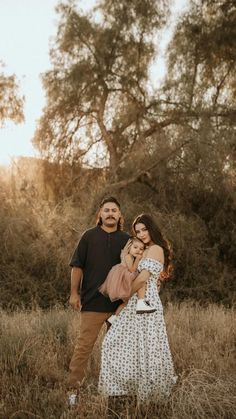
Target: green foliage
(202, 63)
(97, 88)
(11, 104)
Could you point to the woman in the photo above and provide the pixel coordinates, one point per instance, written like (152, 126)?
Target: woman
(136, 358)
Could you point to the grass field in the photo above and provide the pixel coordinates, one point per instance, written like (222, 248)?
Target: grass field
(36, 347)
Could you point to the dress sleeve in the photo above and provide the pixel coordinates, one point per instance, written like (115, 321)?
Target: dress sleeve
(80, 253)
(150, 265)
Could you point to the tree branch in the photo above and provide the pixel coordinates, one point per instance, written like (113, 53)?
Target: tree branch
(219, 86)
(124, 183)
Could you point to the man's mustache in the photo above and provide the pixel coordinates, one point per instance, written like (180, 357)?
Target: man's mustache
(110, 217)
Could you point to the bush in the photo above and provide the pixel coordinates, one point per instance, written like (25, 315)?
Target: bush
(38, 238)
(34, 252)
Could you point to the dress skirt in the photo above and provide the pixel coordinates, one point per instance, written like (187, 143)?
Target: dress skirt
(136, 358)
(118, 284)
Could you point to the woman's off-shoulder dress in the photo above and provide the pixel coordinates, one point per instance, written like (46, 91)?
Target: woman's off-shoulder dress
(136, 358)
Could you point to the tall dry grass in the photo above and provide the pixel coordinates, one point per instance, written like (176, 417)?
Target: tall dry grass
(36, 347)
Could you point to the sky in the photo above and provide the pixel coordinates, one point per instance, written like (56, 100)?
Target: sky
(26, 29)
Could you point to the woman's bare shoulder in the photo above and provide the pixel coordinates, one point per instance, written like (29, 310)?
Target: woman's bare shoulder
(155, 252)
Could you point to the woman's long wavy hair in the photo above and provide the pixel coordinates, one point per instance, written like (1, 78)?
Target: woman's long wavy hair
(157, 238)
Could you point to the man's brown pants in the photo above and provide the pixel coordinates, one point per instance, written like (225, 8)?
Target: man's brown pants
(90, 325)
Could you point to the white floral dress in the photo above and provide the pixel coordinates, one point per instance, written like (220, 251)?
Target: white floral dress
(136, 358)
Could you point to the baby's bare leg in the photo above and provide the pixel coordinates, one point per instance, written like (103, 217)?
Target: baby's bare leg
(142, 305)
(120, 308)
(113, 317)
(141, 293)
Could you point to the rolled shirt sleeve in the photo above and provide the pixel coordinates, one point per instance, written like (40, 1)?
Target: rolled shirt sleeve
(78, 259)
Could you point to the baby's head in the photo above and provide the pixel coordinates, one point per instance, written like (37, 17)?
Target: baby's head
(135, 247)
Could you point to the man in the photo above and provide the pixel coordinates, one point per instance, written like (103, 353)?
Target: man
(97, 252)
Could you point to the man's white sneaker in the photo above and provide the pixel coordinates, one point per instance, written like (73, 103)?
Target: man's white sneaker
(72, 399)
(112, 319)
(144, 307)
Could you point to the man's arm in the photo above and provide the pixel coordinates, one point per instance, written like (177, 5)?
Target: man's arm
(76, 276)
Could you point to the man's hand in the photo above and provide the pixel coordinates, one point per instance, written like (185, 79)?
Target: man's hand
(75, 301)
(76, 276)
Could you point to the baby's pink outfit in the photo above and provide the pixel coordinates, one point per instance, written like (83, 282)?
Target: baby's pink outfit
(118, 283)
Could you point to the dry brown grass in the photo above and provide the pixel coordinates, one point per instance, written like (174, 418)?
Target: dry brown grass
(36, 348)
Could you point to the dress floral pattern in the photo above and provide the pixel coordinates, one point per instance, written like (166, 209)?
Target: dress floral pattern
(136, 358)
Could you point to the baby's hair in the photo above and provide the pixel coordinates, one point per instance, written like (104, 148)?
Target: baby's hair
(135, 238)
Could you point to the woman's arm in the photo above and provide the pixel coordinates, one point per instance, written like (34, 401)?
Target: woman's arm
(154, 252)
(140, 281)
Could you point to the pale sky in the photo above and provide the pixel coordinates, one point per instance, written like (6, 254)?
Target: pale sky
(26, 27)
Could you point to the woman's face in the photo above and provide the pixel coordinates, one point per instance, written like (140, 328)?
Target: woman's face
(142, 233)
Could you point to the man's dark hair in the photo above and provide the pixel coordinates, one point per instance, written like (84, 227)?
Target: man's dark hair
(109, 199)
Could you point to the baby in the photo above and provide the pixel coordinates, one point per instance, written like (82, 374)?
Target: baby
(118, 284)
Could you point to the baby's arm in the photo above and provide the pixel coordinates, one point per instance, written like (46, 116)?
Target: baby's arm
(132, 264)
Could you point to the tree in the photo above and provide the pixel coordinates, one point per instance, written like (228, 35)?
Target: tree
(11, 104)
(201, 84)
(97, 91)
(98, 94)
(201, 77)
